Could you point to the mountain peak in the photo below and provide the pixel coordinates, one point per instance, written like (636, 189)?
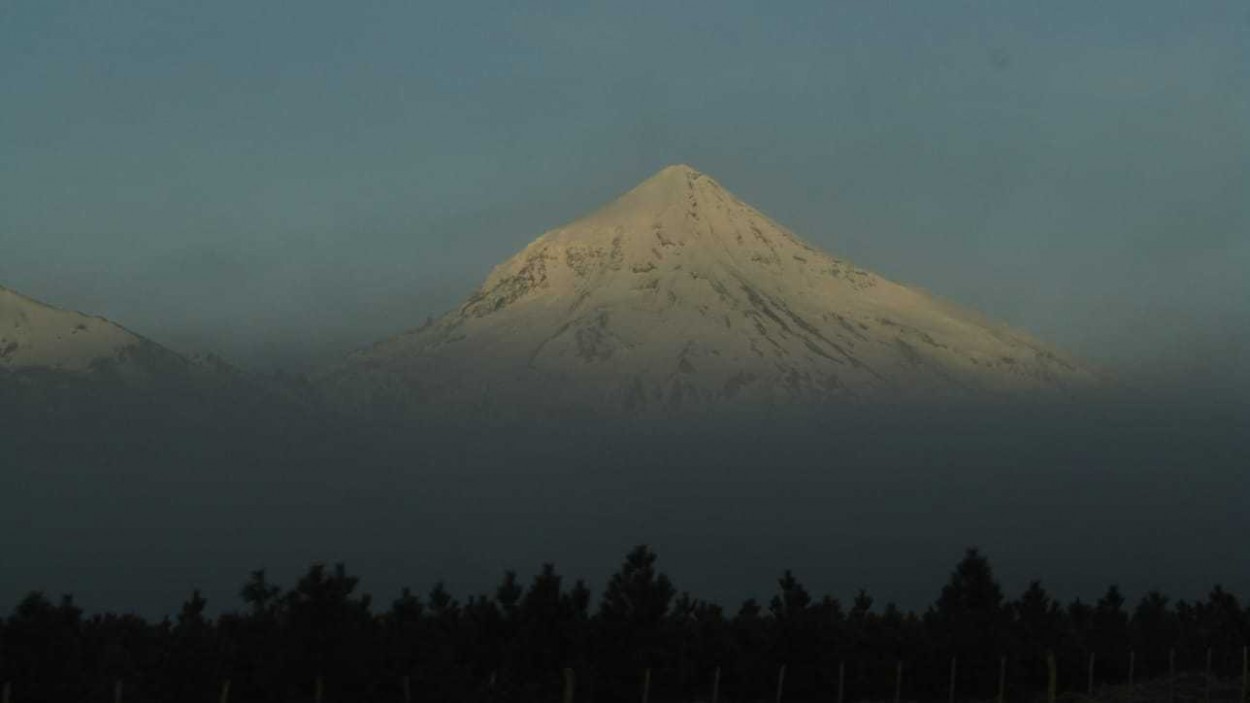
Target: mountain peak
(677, 178)
(682, 170)
(677, 204)
(679, 293)
(671, 185)
(38, 336)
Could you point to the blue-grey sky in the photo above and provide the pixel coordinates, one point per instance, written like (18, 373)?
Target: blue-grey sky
(280, 182)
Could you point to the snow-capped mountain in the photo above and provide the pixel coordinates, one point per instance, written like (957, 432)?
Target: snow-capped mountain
(678, 294)
(35, 337)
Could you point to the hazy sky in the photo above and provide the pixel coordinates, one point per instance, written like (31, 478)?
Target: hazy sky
(281, 182)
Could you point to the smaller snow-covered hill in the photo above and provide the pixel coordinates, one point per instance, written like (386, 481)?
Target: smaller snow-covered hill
(36, 337)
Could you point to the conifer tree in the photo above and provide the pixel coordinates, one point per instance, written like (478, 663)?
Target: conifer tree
(831, 642)
(1152, 631)
(403, 634)
(969, 621)
(326, 625)
(1222, 622)
(795, 634)
(444, 671)
(631, 618)
(259, 594)
(749, 671)
(542, 648)
(635, 602)
(1036, 630)
(191, 665)
(1109, 635)
(44, 644)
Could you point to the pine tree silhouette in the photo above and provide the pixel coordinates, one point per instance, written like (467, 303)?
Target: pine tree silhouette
(969, 621)
(631, 621)
(1152, 631)
(1037, 629)
(193, 664)
(794, 634)
(1109, 636)
(326, 627)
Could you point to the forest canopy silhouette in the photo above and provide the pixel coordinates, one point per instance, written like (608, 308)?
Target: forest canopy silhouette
(324, 639)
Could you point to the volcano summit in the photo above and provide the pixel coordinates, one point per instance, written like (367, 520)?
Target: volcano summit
(678, 294)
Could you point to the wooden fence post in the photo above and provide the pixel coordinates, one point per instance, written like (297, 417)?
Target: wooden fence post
(1132, 665)
(841, 679)
(570, 681)
(225, 692)
(781, 681)
(952, 691)
(407, 689)
(1172, 675)
(1052, 678)
(319, 690)
(716, 685)
(8, 692)
(117, 691)
(1002, 679)
(1090, 685)
(646, 684)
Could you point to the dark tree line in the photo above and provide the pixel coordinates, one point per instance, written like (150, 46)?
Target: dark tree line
(323, 637)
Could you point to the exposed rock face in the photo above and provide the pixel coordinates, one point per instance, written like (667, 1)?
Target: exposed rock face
(678, 294)
(39, 338)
